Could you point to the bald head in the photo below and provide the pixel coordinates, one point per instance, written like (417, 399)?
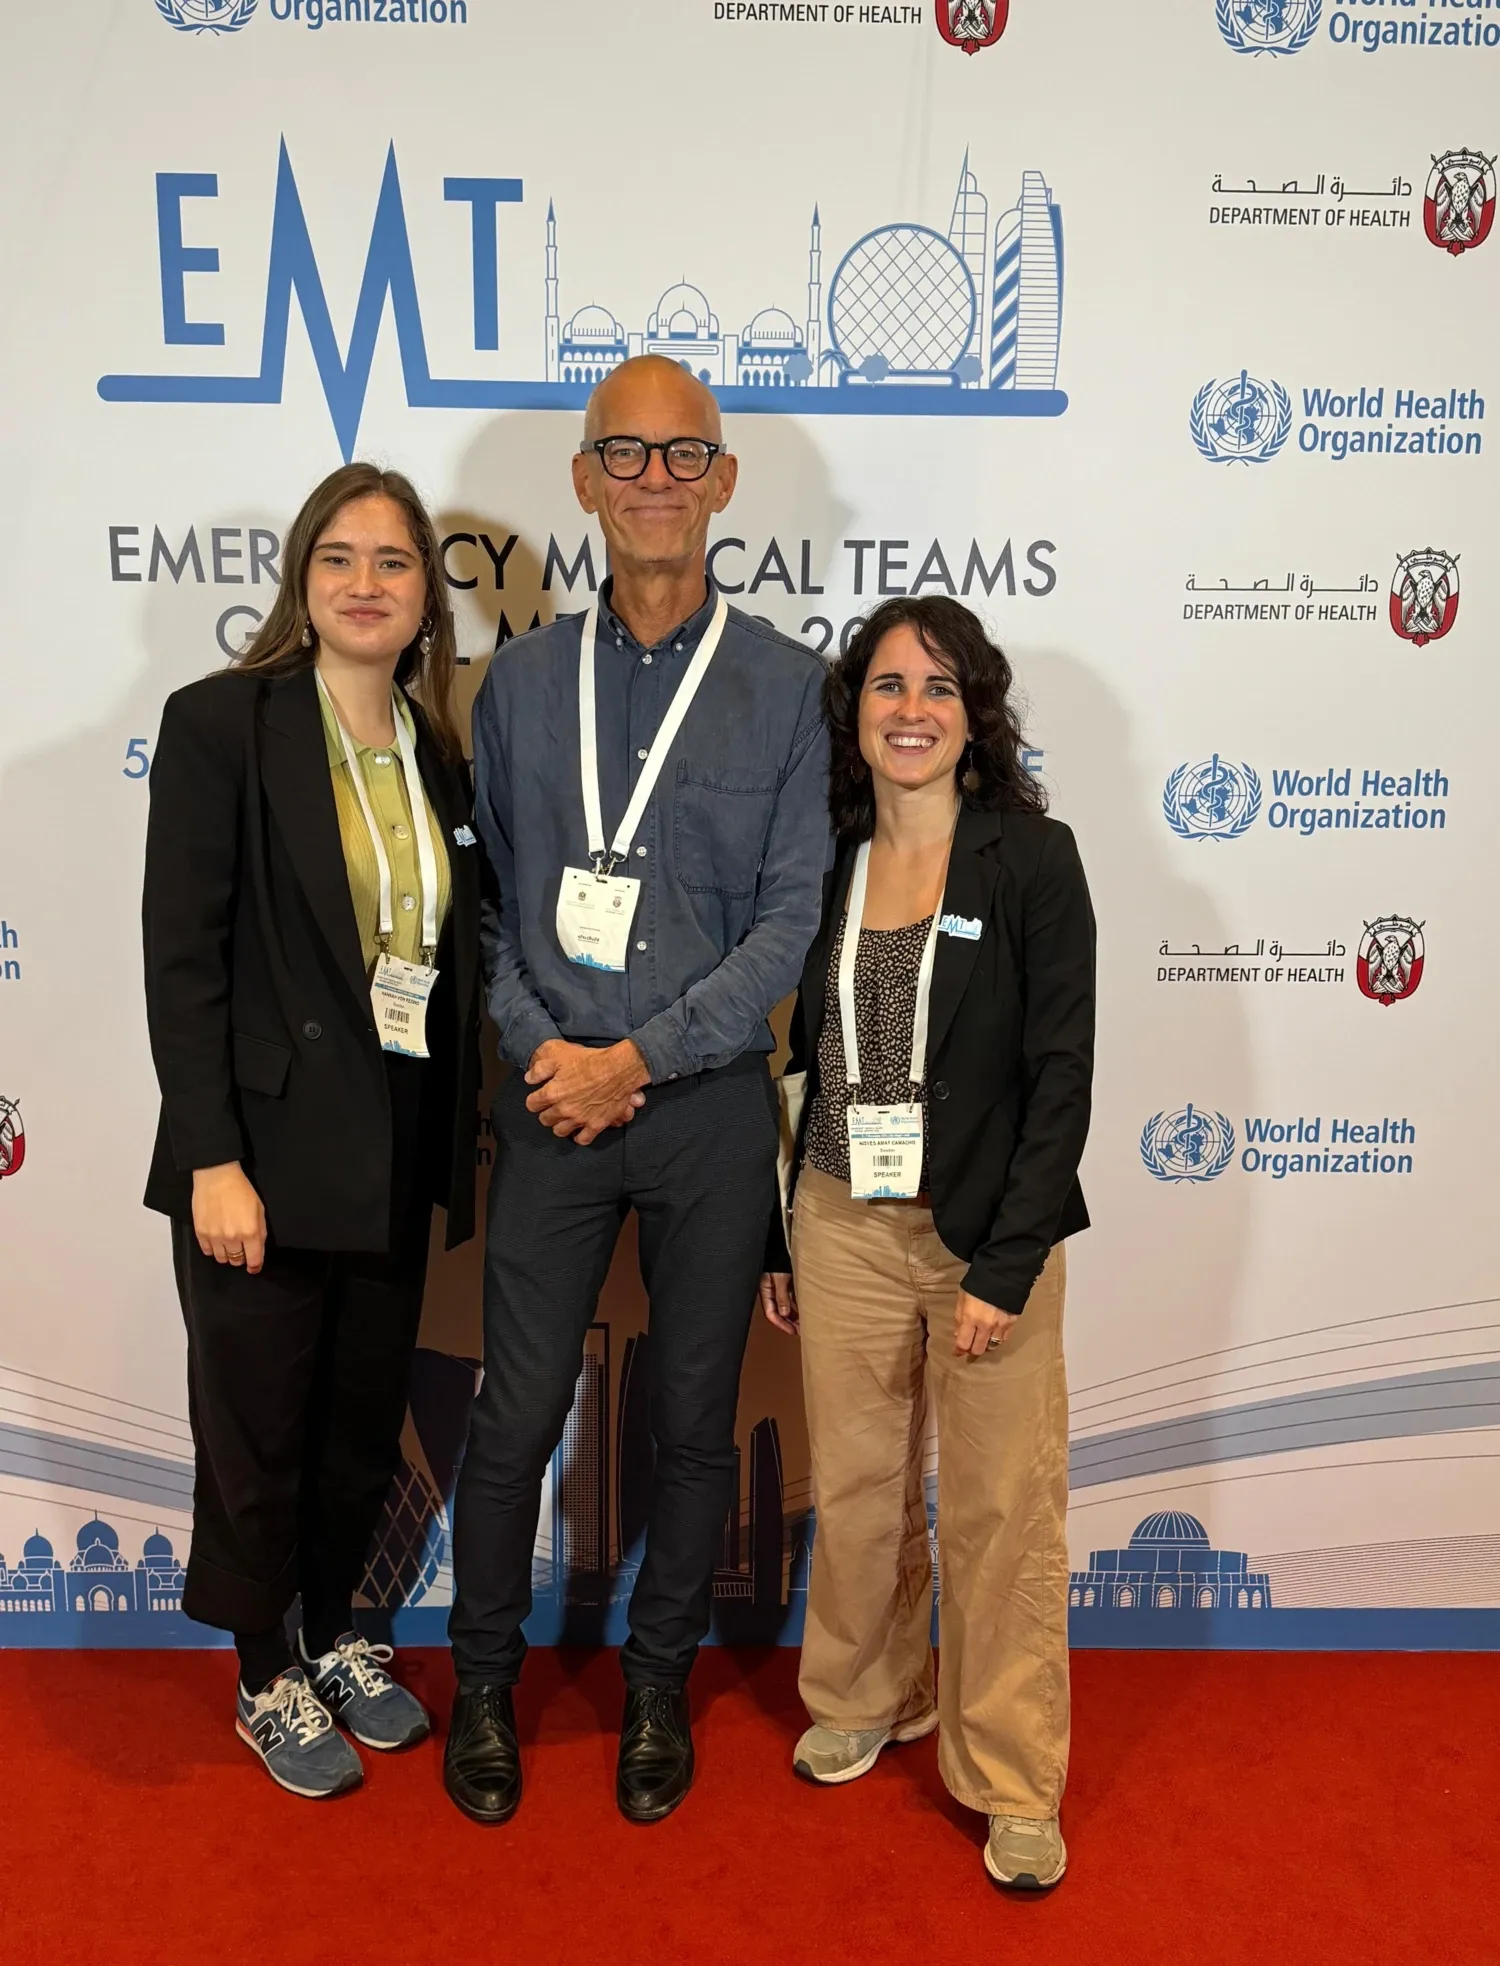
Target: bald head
(652, 396)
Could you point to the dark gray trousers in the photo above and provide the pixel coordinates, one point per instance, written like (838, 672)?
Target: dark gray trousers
(698, 1165)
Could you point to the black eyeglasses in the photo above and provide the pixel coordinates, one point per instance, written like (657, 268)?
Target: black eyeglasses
(686, 458)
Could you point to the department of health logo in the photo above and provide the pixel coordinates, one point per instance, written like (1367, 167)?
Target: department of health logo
(1392, 955)
(12, 1138)
(1188, 1145)
(1240, 420)
(1458, 206)
(971, 24)
(1424, 595)
(1268, 27)
(206, 16)
(1214, 800)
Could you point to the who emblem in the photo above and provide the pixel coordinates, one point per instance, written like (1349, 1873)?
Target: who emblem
(971, 24)
(1424, 595)
(1240, 420)
(1458, 206)
(1214, 800)
(206, 16)
(1187, 1145)
(1268, 27)
(1391, 956)
(12, 1138)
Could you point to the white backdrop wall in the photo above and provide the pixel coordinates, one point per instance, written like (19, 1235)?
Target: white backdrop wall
(1164, 335)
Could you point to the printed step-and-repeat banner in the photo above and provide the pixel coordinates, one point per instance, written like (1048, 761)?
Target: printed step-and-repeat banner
(1164, 337)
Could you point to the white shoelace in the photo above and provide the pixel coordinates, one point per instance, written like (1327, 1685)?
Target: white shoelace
(297, 1707)
(366, 1663)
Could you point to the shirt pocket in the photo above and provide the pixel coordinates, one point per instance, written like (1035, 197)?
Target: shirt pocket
(720, 819)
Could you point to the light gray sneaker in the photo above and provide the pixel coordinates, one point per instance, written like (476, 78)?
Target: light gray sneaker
(352, 1682)
(1024, 1854)
(826, 1756)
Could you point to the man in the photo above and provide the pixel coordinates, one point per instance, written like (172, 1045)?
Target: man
(651, 784)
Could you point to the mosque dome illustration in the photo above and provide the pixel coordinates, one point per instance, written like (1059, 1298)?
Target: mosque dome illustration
(593, 324)
(772, 327)
(37, 1550)
(1169, 1564)
(98, 1547)
(157, 1549)
(682, 314)
(1170, 1529)
(902, 305)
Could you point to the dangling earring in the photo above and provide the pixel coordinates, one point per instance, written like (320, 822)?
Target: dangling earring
(425, 641)
(307, 636)
(970, 781)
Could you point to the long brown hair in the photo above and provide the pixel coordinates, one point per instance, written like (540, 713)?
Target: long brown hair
(278, 648)
(991, 776)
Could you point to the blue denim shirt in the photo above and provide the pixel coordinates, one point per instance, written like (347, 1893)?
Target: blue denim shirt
(730, 854)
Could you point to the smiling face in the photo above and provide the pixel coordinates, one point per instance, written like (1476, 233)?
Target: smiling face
(654, 521)
(366, 588)
(912, 723)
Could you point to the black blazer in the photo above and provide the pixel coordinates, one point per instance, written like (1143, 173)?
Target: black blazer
(257, 996)
(1010, 1047)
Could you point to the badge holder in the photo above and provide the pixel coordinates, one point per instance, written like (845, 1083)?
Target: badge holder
(399, 990)
(595, 905)
(885, 1142)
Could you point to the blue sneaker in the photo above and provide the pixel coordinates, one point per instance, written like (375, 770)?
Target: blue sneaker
(353, 1684)
(294, 1735)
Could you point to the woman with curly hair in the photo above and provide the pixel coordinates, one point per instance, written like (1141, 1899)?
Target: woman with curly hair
(945, 1024)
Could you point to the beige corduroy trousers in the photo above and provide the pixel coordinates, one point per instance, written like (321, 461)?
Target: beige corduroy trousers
(876, 1291)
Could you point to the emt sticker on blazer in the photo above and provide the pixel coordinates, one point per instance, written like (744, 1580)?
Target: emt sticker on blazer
(967, 928)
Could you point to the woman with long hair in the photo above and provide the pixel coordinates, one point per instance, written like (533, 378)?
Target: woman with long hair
(945, 1025)
(311, 917)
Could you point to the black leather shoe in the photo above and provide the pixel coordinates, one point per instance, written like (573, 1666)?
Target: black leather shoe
(482, 1761)
(656, 1753)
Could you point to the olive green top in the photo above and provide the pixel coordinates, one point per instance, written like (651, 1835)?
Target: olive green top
(386, 783)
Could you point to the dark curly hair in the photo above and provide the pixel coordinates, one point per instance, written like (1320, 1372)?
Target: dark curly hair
(990, 774)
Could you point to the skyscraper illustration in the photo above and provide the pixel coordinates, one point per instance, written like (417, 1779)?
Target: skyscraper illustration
(580, 1473)
(767, 1525)
(1027, 304)
(969, 234)
(410, 1551)
(814, 333)
(634, 1455)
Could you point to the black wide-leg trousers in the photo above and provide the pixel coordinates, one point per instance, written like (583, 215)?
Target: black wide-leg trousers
(297, 1389)
(698, 1165)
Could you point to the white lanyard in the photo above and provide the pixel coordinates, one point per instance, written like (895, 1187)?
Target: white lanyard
(426, 857)
(852, 921)
(656, 757)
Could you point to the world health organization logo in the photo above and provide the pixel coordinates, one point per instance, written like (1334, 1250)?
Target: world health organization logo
(206, 16)
(1240, 420)
(1214, 800)
(1268, 27)
(1187, 1145)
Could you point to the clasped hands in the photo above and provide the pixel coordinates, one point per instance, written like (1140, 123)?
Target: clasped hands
(582, 1090)
(977, 1327)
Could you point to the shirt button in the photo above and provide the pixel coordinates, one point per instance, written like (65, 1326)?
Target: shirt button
(408, 902)
(940, 1090)
(678, 647)
(401, 832)
(640, 853)
(312, 1029)
(381, 758)
(645, 658)
(641, 755)
(642, 947)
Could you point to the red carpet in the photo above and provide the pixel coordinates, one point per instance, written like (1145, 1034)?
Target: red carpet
(1223, 1808)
